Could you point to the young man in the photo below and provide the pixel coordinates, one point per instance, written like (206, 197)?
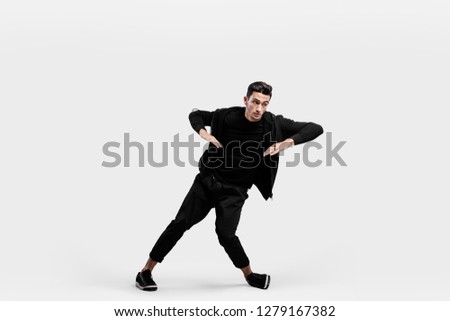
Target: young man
(243, 151)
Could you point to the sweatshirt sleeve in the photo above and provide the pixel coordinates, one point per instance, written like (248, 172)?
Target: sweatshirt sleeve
(300, 132)
(200, 118)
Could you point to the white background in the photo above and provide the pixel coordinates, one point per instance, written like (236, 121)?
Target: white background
(75, 75)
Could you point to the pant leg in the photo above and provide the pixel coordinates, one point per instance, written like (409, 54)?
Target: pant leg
(228, 213)
(195, 207)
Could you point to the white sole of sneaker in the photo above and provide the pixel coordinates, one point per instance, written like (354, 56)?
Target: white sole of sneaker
(147, 288)
(266, 285)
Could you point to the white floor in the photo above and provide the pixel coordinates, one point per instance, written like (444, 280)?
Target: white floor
(319, 271)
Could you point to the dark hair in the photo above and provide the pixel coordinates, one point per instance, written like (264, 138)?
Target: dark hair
(259, 87)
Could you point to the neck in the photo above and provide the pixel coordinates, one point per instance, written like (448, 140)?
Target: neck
(248, 117)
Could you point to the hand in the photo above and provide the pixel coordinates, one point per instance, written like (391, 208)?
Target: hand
(210, 138)
(278, 147)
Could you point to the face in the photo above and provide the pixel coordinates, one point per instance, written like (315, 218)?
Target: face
(255, 106)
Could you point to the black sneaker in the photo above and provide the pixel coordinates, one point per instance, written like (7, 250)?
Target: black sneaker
(144, 281)
(261, 281)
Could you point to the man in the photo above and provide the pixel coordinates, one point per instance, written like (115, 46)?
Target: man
(244, 150)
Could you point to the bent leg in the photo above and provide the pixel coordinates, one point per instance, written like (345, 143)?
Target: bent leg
(228, 213)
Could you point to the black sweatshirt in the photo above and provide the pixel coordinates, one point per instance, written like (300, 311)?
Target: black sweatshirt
(241, 157)
(276, 128)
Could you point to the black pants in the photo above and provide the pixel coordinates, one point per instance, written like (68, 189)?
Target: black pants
(207, 192)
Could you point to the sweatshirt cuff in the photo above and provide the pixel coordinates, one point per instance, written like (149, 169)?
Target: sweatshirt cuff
(197, 128)
(297, 139)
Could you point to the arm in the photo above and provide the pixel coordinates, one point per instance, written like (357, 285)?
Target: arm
(295, 133)
(299, 132)
(199, 119)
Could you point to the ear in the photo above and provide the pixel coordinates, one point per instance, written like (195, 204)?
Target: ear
(245, 100)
